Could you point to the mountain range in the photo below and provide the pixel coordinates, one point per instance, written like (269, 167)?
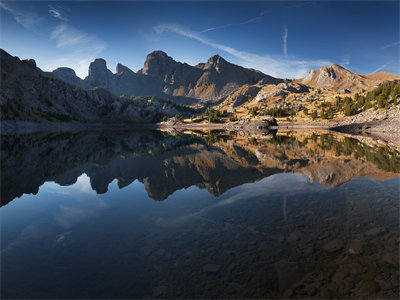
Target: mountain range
(30, 94)
(213, 80)
(163, 76)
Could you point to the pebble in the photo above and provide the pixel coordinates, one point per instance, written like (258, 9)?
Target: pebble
(333, 245)
(211, 268)
(160, 290)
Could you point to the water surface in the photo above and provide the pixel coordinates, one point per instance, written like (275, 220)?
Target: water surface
(215, 214)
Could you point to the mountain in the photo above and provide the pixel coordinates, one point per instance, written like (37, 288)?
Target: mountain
(29, 94)
(163, 76)
(339, 79)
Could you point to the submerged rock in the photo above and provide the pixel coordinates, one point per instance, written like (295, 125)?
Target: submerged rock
(211, 268)
(333, 245)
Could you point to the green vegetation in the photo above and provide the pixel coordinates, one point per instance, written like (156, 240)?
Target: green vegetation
(253, 141)
(214, 116)
(282, 139)
(382, 156)
(314, 115)
(385, 95)
(179, 117)
(233, 118)
(277, 112)
(212, 136)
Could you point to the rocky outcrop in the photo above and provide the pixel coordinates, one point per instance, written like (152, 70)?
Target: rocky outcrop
(339, 79)
(242, 95)
(99, 75)
(68, 75)
(270, 91)
(258, 125)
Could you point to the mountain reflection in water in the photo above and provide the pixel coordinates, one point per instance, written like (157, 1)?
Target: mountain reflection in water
(164, 163)
(295, 214)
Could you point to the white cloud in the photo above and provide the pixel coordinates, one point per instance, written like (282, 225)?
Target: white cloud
(81, 48)
(282, 67)
(77, 48)
(252, 20)
(379, 69)
(284, 39)
(345, 61)
(67, 36)
(57, 14)
(391, 45)
(27, 19)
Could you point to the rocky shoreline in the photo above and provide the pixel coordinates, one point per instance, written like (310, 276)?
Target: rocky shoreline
(384, 126)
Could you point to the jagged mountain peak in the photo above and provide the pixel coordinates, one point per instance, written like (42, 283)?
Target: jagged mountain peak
(333, 68)
(156, 63)
(215, 62)
(161, 75)
(216, 59)
(99, 62)
(334, 77)
(122, 69)
(65, 70)
(157, 53)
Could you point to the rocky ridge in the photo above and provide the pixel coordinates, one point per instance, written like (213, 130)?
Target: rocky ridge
(339, 79)
(163, 76)
(27, 94)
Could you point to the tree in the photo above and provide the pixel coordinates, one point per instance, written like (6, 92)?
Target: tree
(323, 114)
(330, 112)
(314, 115)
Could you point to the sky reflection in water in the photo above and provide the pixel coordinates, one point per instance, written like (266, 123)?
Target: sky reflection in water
(278, 236)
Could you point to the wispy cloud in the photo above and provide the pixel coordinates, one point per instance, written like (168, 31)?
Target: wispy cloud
(300, 4)
(345, 61)
(284, 39)
(379, 69)
(391, 45)
(68, 36)
(26, 18)
(282, 67)
(77, 48)
(81, 47)
(57, 14)
(249, 21)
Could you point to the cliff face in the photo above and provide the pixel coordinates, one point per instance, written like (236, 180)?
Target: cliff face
(163, 76)
(28, 94)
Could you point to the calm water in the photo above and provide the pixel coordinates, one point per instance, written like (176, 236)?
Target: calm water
(128, 214)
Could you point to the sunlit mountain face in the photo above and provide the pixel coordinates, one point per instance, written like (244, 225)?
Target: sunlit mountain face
(286, 214)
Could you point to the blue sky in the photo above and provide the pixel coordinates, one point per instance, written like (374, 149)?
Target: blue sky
(281, 38)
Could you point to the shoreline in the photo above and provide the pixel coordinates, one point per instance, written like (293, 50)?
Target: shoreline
(386, 129)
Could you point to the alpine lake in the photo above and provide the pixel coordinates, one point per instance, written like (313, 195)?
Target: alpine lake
(193, 214)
